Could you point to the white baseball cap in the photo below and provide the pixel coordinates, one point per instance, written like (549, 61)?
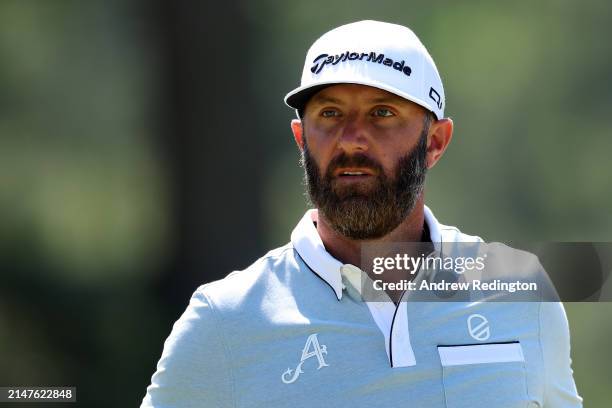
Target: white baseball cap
(383, 55)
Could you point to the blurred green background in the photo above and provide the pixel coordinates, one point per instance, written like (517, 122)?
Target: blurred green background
(145, 149)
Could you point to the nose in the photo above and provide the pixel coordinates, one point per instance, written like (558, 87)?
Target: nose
(352, 137)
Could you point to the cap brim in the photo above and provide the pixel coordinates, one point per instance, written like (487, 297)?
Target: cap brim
(298, 98)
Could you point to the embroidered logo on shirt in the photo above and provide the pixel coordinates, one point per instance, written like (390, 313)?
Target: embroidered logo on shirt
(478, 327)
(311, 349)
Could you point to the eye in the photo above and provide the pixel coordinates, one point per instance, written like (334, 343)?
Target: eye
(330, 113)
(382, 112)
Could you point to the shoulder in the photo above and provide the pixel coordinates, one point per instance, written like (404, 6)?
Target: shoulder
(554, 327)
(185, 360)
(446, 233)
(198, 342)
(251, 283)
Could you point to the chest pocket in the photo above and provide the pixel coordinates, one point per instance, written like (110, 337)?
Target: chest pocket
(484, 375)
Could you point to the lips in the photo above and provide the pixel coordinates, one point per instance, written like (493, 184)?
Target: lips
(353, 172)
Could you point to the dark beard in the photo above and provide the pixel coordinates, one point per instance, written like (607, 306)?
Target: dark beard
(364, 215)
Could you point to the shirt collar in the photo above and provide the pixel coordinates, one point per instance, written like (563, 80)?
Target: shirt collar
(310, 248)
(308, 244)
(435, 233)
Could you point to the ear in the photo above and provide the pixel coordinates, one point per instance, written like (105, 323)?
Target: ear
(440, 135)
(296, 128)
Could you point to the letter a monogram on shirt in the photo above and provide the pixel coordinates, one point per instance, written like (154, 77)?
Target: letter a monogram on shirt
(311, 349)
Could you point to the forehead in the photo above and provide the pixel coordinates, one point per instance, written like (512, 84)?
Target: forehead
(358, 94)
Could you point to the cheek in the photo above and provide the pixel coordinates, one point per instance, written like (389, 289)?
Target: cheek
(390, 155)
(390, 166)
(321, 147)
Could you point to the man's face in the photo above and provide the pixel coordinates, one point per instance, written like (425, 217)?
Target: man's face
(364, 158)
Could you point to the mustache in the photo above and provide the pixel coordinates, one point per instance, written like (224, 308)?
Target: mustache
(356, 160)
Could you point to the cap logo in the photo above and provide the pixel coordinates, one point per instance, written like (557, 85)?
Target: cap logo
(325, 59)
(435, 96)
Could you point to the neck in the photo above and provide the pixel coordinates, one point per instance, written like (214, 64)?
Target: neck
(348, 250)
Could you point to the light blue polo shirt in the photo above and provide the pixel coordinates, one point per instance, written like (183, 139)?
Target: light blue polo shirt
(293, 330)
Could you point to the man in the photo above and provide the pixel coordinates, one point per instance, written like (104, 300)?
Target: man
(296, 329)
